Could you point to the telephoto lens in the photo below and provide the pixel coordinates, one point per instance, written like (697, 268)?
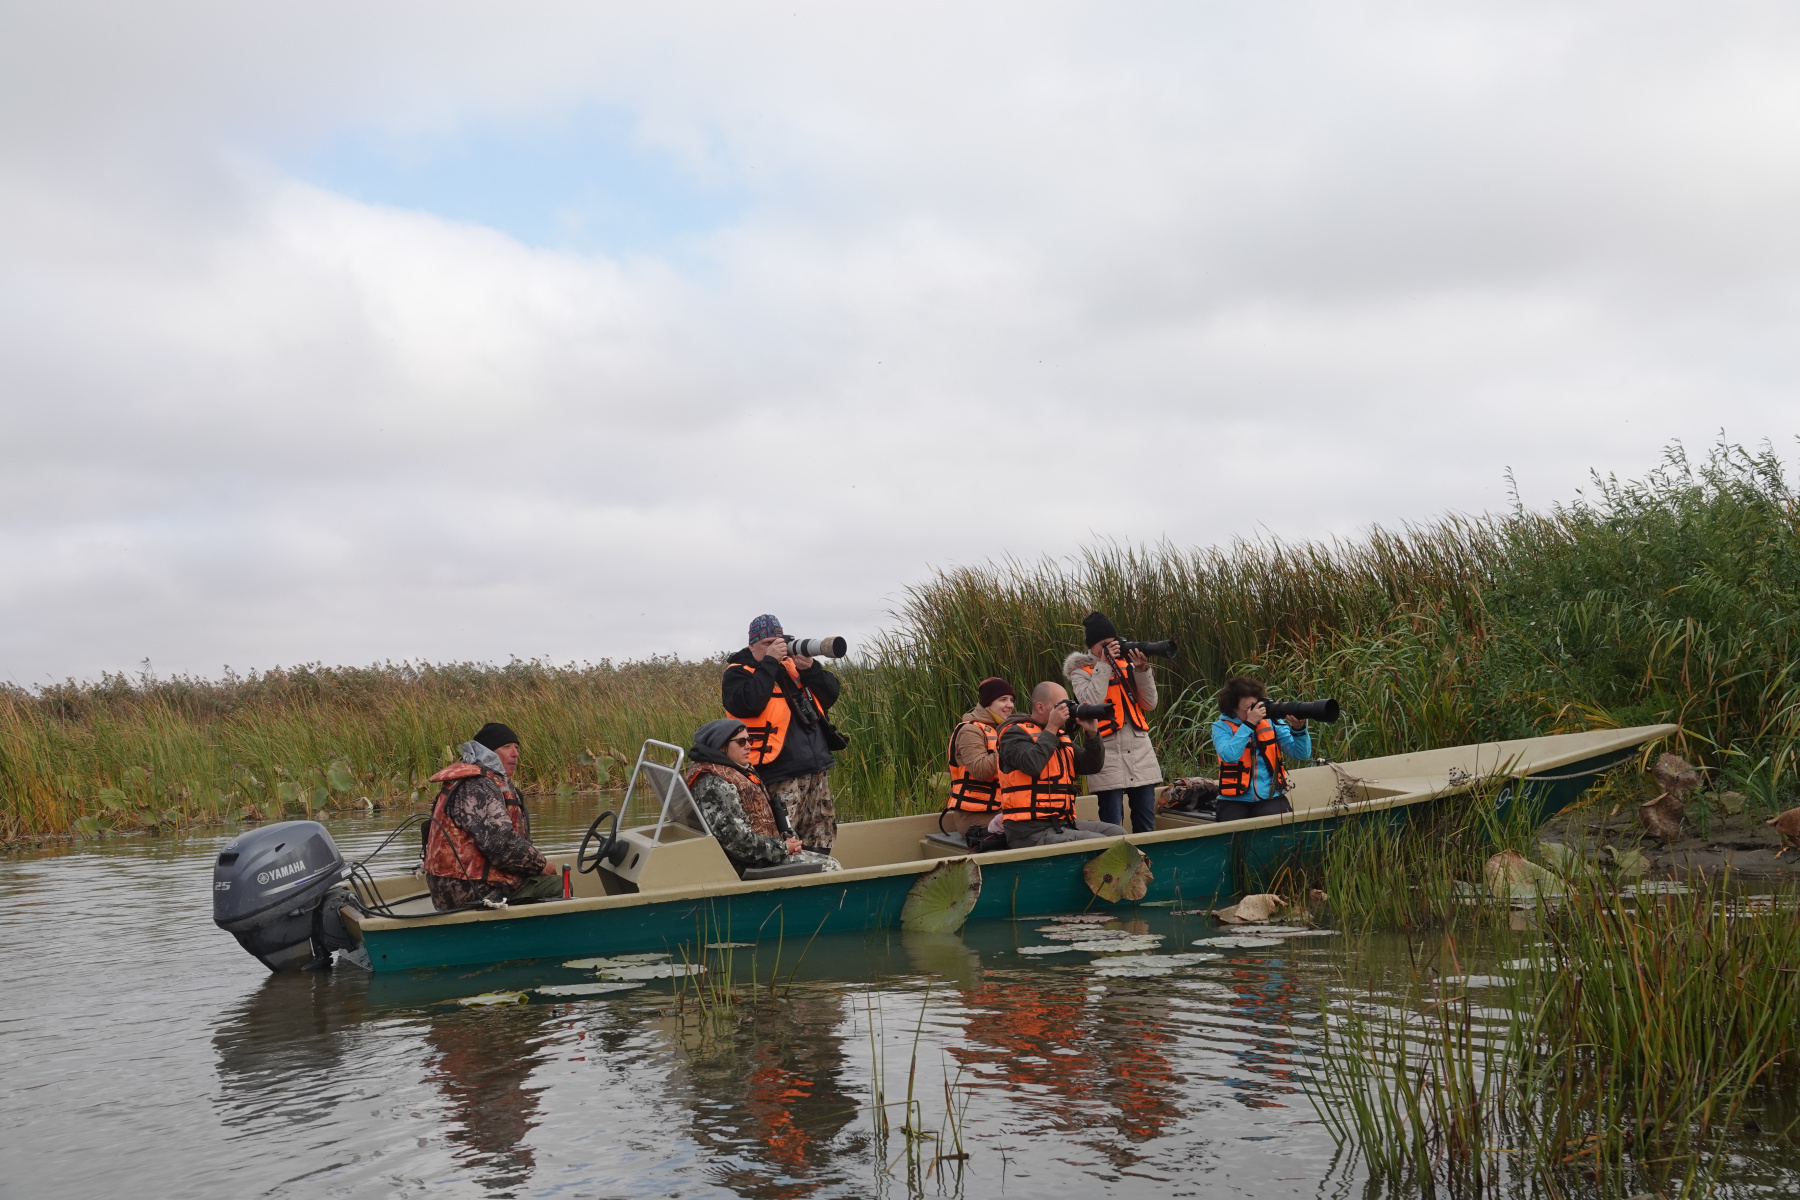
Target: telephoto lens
(1306, 710)
(1153, 649)
(831, 647)
(1087, 712)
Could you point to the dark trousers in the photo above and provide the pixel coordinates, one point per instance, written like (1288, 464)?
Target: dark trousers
(1238, 810)
(1143, 807)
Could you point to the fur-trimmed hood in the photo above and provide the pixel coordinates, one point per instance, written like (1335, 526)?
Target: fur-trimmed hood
(1078, 660)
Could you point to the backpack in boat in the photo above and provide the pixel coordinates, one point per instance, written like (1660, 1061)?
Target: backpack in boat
(1195, 797)
(980, 841)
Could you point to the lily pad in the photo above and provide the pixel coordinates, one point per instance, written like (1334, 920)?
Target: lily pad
(1085, 919)
(586, 989)
(1239, 943)
(1158, 960)
(1297, 933)
(1120, 872)
(1045, 949)
(728, 945)
(489, 999)
(940, 900)
(1120, 945)
(1510, 875)
(653, 971)
(1132, 972)
(1259, 907)
(617, 960)
(1081, 933)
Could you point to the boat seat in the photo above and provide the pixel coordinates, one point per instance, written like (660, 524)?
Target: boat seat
(942, 845)
(781, 870)
(1170, 819)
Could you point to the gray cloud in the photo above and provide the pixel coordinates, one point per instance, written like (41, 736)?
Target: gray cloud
(1009, 279)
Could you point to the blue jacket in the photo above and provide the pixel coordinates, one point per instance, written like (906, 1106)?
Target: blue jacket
(1230, 738)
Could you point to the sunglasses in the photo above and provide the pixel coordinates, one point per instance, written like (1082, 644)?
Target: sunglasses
(741, 740)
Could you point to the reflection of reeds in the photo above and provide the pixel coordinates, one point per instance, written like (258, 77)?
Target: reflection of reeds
(1628, 1039)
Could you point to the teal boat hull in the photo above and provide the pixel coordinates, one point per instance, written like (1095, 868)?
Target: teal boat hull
(1199, 870)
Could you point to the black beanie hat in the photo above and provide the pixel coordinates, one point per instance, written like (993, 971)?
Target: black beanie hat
(992, 688)
(494, 735)
(1097, 627)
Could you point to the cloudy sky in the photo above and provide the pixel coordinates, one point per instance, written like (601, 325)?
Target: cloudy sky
(350, 332)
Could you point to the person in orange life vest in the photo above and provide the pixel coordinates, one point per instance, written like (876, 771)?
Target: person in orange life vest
(783, 700)
(1252, 780)
(1039, 767)
(478, 840)
(975, 758)
(1127, 684)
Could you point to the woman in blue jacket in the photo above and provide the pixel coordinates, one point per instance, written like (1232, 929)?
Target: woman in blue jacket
(1252, 780)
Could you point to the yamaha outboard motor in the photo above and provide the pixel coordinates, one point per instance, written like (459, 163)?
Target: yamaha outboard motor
(275, 890)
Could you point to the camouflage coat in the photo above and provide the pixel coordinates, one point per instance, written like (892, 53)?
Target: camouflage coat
(478, 806)
(719, 801)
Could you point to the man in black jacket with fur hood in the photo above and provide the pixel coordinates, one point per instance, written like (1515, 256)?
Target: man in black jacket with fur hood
(783, 701)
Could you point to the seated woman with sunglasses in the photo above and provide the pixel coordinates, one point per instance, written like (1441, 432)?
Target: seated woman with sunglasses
(751, 831)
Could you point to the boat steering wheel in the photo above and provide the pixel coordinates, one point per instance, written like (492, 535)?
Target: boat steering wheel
(610, 850)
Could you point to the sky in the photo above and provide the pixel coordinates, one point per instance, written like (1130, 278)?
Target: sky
(462, 331)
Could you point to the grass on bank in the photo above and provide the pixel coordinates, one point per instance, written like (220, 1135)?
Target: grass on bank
(1675, 597)
(1627, 1040)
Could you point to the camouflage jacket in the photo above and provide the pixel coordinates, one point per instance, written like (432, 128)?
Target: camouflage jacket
(479, 808)
(725, 816)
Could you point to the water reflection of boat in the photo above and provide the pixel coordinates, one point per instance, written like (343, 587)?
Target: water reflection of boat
(671, 877)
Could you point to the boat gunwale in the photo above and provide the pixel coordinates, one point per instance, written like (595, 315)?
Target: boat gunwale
(1595, 743)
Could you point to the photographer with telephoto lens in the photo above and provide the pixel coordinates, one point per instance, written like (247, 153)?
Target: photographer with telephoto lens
(1039, 765)
(1126, 683)
(1252, 779)
(783, 700)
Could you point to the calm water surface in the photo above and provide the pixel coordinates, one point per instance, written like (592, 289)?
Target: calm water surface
(147, 1055)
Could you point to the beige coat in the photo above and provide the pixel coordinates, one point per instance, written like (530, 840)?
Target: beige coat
(971, 745)
(1130, 759)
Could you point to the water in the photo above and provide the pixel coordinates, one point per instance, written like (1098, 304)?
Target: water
(146, 1054)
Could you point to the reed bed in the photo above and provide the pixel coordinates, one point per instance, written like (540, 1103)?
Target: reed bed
(1674, 597)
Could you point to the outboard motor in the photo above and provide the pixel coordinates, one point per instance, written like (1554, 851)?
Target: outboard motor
(275, 890)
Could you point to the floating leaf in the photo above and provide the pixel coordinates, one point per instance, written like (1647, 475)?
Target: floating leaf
(487, 999)
(88, 825)
(1132, 972)
(1239, 943)
(1085, 919)
(338, 775)
(1119, 945)
(728, 945)
(1510, 875)
(1160, 960)
(1081, 933)
(112, 797)
(586, 989)
(1119, 872)
(940, 900)
(1045, 949)
(617, 960)
(653, 971)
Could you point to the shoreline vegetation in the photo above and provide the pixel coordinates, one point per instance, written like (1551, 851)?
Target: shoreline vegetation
(1672, 597)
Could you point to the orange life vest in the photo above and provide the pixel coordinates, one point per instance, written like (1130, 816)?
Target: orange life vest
(1122, 698)
(966, 792)
(450, 853)
(768, 729)
(1050, 795)
(1239, 778)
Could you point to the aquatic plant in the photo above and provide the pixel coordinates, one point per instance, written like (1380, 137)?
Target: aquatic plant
(1625, 1036)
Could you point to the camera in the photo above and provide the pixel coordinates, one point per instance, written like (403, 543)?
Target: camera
(1307, 710)
(1154, 649)
(831, 647)
(1087, 712)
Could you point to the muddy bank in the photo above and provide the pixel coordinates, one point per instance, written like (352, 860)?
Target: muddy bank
(1716, 841)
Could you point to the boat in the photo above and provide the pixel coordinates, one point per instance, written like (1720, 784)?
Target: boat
(658, 887)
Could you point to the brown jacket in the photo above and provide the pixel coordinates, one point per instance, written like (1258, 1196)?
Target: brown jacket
(971, 745)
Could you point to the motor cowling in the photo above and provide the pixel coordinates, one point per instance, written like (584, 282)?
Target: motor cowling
(275, 890)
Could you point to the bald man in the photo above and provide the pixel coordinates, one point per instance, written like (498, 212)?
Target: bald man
(1039, 771)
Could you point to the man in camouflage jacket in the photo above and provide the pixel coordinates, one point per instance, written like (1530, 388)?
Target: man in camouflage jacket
(479, 807)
